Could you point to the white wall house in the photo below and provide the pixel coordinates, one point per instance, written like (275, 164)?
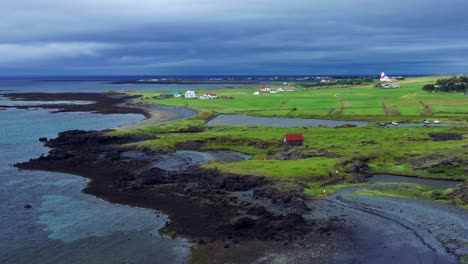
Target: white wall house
(208, 96)
(191, 94)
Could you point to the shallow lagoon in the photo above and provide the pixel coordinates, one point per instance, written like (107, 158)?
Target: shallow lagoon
(65, 225)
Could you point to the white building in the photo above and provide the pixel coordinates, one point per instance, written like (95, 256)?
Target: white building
(191, 94)
(208, 96)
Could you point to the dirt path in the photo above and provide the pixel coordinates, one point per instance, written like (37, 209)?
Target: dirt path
(390, 110)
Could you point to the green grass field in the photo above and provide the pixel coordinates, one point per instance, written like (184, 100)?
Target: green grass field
(408, 103)
(403, 151)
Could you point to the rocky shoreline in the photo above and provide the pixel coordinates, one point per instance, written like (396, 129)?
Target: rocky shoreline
(215, 210)
(201, 203)
(112, 103)
(227, 217)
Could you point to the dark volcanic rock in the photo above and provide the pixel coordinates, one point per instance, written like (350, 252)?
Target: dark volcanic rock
(154, 176)
(298, 153)
(461, 193)
(100, 102)
(27, 206)
(42, 139)
(436, 160)
(198, 201)
(190, 145)
(244, 222)
(293, 198)
(446, 136)
(345, 126)
(359, 167)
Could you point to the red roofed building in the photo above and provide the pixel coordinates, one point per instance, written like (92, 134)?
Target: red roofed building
(294, 139)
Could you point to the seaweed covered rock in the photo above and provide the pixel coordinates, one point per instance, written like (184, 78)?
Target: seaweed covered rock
(437, 160)
(460, 193)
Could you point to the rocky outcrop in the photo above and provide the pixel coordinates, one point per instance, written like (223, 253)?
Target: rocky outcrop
(201, 203)
(460, 193)
(359, 168)
(437, 160)
(445, 136)
(299, 153)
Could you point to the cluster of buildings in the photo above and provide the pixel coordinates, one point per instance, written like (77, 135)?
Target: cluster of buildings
(187, 94)
(194, 94)
(273, 91)
(388, 82)
(388, 85)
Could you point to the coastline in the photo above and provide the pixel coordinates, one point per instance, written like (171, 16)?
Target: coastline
(102, 103)
(208, 212)
(225, 216)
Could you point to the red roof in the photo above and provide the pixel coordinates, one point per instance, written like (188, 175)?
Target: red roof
(294, 137)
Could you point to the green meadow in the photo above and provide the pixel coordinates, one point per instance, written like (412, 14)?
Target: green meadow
(408, 103)
(407, 151)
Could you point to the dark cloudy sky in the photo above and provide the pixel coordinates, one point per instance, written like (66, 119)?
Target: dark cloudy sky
(163, 37)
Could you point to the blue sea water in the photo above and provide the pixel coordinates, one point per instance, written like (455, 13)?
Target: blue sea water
(33, 85)
(65, 225)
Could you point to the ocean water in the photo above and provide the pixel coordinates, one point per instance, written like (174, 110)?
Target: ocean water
(31, 85)
(65, 225)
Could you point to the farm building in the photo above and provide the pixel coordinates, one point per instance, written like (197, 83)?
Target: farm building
(208, 96)
(388, 85)
(256, 93)
(191, 94)
(176, 94)
(273, 91)
(288, 89)
(265, 89)
(294, 139)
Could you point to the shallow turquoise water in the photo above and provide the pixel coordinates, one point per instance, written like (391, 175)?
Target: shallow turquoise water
(65, 225)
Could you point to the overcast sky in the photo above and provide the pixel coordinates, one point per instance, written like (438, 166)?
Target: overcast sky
(114, 37)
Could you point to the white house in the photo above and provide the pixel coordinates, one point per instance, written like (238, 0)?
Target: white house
(265, 89)
(273, 91)
(208, 96)
(191, 94)
(280, 89)
(391, 85)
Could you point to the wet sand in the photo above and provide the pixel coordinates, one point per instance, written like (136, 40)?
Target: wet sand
(398, 230)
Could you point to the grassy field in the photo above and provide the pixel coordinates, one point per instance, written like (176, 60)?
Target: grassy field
(408, 103)
(411, 191)
(389, 150)
(404, 151)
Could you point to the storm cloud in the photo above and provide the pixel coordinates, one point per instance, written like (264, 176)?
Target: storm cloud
(233, 37)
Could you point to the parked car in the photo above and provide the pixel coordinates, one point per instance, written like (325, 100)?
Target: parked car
(426, 122)
(436, 122)
(395, 123)
(382, 124)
